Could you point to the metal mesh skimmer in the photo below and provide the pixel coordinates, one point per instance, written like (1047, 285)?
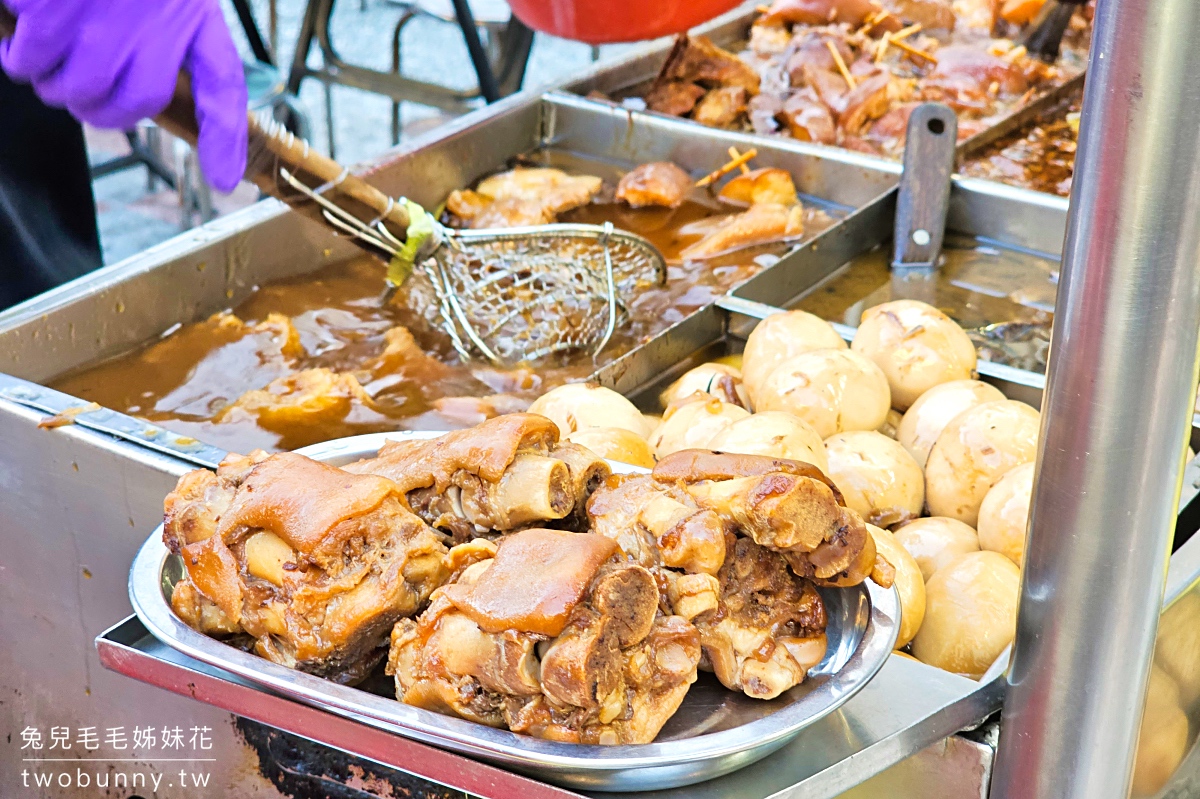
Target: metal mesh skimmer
(525, 293)
(514, 294)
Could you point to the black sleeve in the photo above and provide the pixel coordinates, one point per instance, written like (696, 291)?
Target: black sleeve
(47, 212)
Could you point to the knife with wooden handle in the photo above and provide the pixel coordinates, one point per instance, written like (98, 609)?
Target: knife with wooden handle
(272, 149)
(923, 198)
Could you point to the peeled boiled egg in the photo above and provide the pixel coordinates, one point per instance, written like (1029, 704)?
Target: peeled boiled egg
(834, 390)
(917, 347)
(975, 450)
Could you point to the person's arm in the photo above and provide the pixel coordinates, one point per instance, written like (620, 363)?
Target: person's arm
(112, 63)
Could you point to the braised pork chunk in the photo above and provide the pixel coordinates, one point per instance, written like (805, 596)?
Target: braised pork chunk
(504, 474)
(738, 544)
(521, 197)
(787, 506)
(660, 183)
(315, 564)
(556, 637)
(768, 629)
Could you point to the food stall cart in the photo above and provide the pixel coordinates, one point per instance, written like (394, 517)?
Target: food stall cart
(82, 497)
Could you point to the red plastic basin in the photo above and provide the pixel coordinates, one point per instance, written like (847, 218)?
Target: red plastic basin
(608, 21)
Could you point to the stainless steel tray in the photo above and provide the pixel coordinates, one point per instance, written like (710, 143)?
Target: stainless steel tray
(714, 732)
(993, 213)
(632, 75)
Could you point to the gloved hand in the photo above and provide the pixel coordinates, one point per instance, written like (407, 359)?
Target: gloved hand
(112, 63)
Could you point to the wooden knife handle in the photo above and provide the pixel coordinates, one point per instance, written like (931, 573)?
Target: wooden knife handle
(270, 148)
(923, 199)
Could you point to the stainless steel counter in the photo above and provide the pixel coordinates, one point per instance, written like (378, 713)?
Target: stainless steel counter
(79, 503)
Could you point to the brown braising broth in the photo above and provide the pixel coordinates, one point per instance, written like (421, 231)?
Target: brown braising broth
(190, 375)
(1003, 298)
(1040, 156)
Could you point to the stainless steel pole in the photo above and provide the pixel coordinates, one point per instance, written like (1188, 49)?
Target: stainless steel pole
(1115, 414)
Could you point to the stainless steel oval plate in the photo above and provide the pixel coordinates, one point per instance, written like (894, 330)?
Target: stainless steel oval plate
(714, 732)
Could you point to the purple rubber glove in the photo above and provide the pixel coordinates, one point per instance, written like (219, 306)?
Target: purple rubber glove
(112, 63)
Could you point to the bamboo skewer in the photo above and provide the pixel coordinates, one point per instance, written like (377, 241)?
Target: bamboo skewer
(1015, 53)
(734, 154)
(881, 50)
(841, 65)
(718, 173)
(908, 48)
(874, 19)
(1029, 94)
(878, 16)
